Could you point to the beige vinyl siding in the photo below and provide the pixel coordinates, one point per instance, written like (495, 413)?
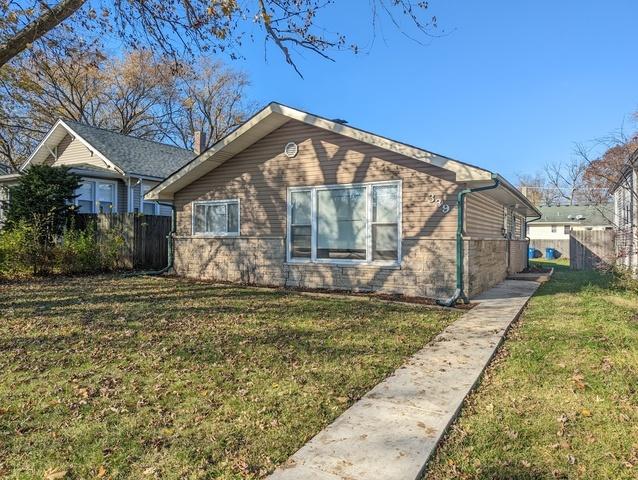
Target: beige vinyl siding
(73, 152)
(259, 177)
(484, 217)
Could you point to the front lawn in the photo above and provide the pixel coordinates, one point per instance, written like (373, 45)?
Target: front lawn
(144, 377)
(561, 401)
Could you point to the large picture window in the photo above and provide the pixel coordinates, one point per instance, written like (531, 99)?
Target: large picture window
(349, 224)
(216, 218)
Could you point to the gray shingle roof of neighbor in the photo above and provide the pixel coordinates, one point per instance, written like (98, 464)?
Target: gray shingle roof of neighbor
(134, 155)
(590, 215)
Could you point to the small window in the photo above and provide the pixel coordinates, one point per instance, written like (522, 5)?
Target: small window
(96, 196)
(553, 228)
(105, 197)
(217, 218)
(567, 229)
(300, 224)
(385, 222)
(84, 199)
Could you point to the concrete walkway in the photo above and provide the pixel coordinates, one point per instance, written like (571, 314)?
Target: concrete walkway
(393, 430)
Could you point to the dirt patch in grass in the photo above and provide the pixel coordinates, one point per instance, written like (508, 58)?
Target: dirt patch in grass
(561, 399)
(147, 377)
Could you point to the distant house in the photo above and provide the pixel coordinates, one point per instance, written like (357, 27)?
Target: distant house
(297, 200)
(116, 169)
(553, 228)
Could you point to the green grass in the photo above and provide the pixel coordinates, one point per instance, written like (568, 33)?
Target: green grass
(561, 401)
(114, 377)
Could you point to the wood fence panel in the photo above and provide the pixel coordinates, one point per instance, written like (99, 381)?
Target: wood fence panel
(145, 243)
(151, 245)
(560, 246)
(591, 249)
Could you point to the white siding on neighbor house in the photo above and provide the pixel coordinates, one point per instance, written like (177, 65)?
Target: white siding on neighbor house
(544, 232)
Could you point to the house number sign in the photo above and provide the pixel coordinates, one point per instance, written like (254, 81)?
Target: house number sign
(445, 208)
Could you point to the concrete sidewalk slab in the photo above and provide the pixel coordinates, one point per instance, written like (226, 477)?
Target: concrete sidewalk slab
(394, 429)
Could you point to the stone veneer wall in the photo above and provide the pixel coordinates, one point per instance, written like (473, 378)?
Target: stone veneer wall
(427, 269)
(485, 264)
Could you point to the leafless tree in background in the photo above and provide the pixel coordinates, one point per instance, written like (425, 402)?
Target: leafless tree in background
(210, 99)
(536, 188)
(182, 28)
(566, 179)
(140, 95)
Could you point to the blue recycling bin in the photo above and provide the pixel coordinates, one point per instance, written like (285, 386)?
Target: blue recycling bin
(550, 254)
(531, 252)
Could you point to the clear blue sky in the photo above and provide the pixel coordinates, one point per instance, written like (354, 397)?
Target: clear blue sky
(511, 86)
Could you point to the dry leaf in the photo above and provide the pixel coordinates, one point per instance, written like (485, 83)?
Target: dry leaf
(585, 412)
(101, 471)
(55, 474)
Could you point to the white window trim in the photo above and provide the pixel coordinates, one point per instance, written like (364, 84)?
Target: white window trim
(156, 209)
(217, 202)
(95, 181)
(313, 224)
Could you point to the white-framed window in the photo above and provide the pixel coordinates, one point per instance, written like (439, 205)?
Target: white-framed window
(218, 218)
(148, 208)
(358, 223)
(97, 196)
(554, 228)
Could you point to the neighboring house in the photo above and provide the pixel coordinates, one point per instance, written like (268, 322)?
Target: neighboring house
(6, 180)
(553, 228)
(116, 169)
(625, 215)
(293, 199)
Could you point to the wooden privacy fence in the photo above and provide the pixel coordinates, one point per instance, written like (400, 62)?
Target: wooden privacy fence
(145, 244)
(589, 249)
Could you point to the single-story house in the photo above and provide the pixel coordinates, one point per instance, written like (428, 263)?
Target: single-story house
(293, 199)
(625, 194)
(552, 229)
(116, 169)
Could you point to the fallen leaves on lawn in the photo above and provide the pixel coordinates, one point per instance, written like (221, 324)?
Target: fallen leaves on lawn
(55, 474)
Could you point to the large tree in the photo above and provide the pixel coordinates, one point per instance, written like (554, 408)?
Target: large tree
(183, 27)
(140, 94)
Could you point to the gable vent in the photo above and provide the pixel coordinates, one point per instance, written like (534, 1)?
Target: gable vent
(291, 149)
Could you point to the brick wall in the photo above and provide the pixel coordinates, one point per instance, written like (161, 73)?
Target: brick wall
(485, 264)
(428, 266)
(427, 269)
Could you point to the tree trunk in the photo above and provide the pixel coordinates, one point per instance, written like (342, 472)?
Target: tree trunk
(38, 28)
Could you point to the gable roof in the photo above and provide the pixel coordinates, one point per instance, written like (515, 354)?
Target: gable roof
(587, 215)
(123, 153)
(275, 115)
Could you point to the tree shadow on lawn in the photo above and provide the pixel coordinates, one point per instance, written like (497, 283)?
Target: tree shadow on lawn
(203, 324)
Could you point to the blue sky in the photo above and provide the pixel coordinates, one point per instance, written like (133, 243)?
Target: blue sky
(510, 87)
